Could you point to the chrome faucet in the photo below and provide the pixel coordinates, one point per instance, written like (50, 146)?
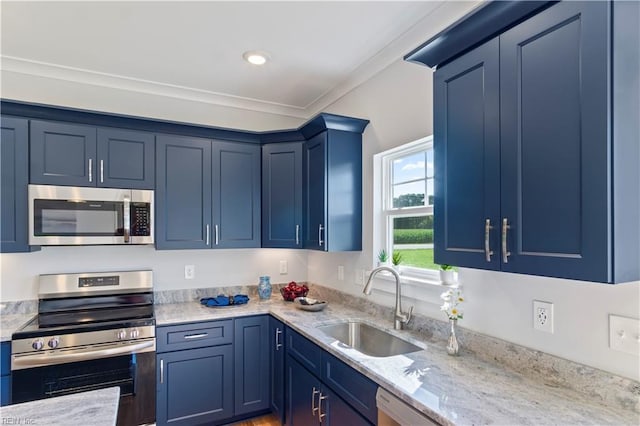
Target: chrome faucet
(400, 318)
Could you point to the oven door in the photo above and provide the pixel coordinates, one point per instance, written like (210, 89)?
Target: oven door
(134, 374)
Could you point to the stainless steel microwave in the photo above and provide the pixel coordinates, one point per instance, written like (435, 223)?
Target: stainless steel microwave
(68, 215)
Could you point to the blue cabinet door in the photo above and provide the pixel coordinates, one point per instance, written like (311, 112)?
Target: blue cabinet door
(276, 336)
(62, 154)
(5, 373)
(236, 195)
(183, 192)
(467, 158)
(282, 195)
(126, 159)
(303, 390)
(336, 412)
(555, 143)
(315, 185)
(14, 158)
(251, 349)
(194, 386)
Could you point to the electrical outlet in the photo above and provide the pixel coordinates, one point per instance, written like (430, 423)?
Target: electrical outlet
(284, 268)
(543, 316)
(624, 334)
(189, 272)
(340, 273)
(359, 279)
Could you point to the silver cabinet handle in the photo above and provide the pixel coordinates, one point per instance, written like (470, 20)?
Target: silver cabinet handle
(313, 401)
(278, 344)
(320, 229)
(162, 371)
(101, 171)
(207, 232)
(90, 169)
(297, 234)
(216, 234)
(126, 219)
(505, 253)
(487, 250)
(196, 336)
(320, 413)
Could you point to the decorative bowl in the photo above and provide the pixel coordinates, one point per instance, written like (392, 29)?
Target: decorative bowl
(309, 304)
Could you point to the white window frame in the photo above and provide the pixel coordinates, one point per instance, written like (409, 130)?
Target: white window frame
(384, 211)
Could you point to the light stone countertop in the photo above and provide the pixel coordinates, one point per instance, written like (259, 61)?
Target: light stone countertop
(10, 323)
(95, 408)
(459, 390)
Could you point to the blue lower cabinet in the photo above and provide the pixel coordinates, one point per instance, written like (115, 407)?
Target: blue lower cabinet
(311, 402)
(5, 373)
(321, 389)
(194, 386)
(251, 349)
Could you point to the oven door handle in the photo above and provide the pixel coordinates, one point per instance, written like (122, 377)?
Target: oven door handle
(48, 358)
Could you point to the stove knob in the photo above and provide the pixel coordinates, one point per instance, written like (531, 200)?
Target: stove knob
(37, 344)
(54, 342)
(135, 333)
(121, 334)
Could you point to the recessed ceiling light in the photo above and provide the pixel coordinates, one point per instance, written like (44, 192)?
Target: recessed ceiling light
(255, 57)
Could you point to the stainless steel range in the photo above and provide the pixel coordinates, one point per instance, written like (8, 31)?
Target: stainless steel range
(92, 331)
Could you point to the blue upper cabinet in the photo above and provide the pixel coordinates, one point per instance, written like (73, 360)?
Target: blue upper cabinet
(183, 193)
(282, 195)
(126, 159)
(14, 158)
(333, 191)
(63, 154)
(467, 157)
(236, 195)
(78, 155)
(536, 157)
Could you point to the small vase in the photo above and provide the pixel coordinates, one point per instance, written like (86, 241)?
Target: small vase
(447, 277)
(452, 343)
(264, 288)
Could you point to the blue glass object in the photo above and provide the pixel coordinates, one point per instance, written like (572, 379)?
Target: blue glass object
(264, 287)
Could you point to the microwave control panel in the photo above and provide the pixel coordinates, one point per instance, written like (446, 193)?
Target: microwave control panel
(140, 219)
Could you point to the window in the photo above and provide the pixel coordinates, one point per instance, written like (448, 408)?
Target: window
(405, 208)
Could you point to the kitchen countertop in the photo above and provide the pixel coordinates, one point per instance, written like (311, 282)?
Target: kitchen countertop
(10, 323)
(450, 390)
(96, 408)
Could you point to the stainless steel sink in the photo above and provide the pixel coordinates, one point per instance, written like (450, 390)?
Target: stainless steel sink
(368, 340)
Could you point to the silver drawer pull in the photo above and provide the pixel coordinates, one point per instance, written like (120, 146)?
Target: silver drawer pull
(278, 344)
(196, 336)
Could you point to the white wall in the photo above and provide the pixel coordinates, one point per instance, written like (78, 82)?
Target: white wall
(398, 101)
(214, 268)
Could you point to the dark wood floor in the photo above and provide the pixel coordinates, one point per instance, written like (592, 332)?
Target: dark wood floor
(268, 420)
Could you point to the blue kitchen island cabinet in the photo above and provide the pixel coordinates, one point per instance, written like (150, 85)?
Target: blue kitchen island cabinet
(5, 373)
(252, 376)
(208, 194)
(14, 157)
(282, 195)
(333, 191)
(80, 155)
(530, 177)
(277, 370)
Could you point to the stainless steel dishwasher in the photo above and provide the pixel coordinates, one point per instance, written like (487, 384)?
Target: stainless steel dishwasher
(393, 412)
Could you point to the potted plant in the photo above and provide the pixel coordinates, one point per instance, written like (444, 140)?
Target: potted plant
(447, 274)
(396, 260)
(383, 258)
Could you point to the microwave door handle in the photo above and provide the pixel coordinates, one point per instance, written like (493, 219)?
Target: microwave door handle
(126, 218)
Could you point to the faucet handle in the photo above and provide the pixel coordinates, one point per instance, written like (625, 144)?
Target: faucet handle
(409, 314)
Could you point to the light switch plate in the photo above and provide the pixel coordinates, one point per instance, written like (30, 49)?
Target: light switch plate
(284, 268)
(624, 334)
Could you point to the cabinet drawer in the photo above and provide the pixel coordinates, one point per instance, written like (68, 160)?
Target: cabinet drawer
(195, 335)
(308, 353)
(350, 385)
(5, 358)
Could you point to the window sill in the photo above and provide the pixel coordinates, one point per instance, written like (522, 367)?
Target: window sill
(425, 289)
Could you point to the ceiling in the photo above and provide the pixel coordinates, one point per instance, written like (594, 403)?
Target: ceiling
(319, 50)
